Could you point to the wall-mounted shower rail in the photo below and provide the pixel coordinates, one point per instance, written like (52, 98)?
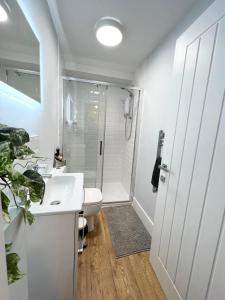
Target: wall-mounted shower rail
(100, 82)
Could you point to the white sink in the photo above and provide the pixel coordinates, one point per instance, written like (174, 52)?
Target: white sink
(63, 194)
(59, 188)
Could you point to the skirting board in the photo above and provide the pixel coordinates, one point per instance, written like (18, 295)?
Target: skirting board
(119, 203)
(143, 216)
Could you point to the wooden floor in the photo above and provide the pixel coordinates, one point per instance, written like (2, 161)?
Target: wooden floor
(101, 276)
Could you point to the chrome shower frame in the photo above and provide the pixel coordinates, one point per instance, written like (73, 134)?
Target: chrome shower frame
(129, 89)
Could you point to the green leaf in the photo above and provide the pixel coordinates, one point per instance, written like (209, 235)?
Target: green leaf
(28, 217)
(29, 186)
(16, 136)
(5, 206)
(28, 204)
(23, 195)
(8, 247)
(5, 157)
(17, 181)
(36, 185)
(12, 260)
(30, 180)
(22, 151)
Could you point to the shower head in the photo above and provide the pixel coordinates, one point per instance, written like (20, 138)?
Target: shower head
(129, 91)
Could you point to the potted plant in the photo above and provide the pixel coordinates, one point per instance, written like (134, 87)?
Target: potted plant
(22, 188)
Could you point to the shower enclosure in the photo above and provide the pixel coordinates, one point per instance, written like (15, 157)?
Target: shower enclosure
(99, 136)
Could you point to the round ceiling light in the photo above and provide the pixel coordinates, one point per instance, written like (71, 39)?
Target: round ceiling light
(109, 31)
(4, 11)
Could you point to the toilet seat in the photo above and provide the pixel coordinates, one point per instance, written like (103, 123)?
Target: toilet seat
(92, 205)
(82, 222)
(92, 196)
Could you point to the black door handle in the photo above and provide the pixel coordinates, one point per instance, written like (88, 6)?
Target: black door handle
(100, 149)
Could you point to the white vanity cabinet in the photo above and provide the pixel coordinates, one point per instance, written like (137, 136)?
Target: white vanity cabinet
(53, 239)
(52, 257)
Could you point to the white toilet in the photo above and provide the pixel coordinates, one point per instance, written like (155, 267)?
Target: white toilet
(92, 204)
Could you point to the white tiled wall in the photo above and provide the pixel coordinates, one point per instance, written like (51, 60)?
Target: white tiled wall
(129, 149)
(118, 155)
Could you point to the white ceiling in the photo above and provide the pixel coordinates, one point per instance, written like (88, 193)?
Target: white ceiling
(146, 23)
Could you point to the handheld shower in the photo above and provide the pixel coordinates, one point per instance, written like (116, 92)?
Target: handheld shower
(128, 113)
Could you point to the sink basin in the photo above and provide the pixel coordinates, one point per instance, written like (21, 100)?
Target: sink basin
(63, 193)
(59, 188)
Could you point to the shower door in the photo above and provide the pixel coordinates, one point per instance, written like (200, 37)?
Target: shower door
(83, 132)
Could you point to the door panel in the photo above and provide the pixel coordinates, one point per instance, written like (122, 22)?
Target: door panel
(189, 73)
(190, 147)
(204, 157)
(211, 224)
(188, 236)
(213, 213)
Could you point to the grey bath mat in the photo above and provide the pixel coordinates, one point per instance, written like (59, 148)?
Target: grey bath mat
(127, 232)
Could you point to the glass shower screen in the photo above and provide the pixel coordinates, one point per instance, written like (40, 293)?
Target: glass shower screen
(83, 129)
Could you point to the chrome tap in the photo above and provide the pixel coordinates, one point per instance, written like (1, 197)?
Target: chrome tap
(33, 166)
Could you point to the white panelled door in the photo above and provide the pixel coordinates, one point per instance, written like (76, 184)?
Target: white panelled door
(188, 249)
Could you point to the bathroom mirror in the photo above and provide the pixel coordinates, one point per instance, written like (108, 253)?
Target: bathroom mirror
(19, 51)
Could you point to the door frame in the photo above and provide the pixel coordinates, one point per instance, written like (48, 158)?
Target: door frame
(210, 17)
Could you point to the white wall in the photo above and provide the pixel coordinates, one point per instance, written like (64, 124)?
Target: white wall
(154, 76)
(16, 110)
